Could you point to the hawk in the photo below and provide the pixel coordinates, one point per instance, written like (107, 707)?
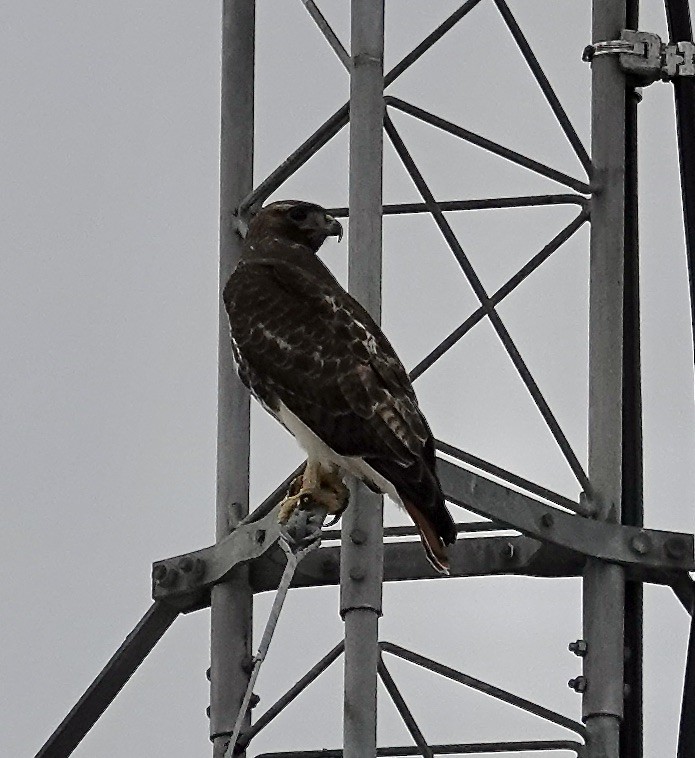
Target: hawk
(318, 362)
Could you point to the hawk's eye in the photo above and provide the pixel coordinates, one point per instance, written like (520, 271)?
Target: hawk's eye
(298, 214)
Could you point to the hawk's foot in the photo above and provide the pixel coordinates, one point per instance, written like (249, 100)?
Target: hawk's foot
(333, 481)
(328, 494)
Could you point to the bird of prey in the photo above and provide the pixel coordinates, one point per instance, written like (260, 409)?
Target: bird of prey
(318, 362)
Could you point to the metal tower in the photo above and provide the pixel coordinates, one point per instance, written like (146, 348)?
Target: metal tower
(600, 537)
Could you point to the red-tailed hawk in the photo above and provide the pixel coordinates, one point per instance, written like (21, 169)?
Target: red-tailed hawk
(319, 363)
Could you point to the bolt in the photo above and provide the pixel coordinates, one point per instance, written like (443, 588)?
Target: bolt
(186, 564)
(578, 684)
(507, 551)
(676, 548)
(579, 647)
(190, 565)
(207, 675)
(207, 711)
(260, 536)
(641, 543)
(255, 700)
(164, 575)
(547, 520)
(589, 506)
(358, 536)
(357, 574)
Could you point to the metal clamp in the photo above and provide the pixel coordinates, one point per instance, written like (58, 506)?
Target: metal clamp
(645, 56)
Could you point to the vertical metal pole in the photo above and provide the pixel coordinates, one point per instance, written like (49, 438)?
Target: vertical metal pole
(604, 586)
(631, 729)
(361, 565)
(232, 602)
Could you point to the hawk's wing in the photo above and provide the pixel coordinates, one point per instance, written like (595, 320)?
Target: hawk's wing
(307, 343)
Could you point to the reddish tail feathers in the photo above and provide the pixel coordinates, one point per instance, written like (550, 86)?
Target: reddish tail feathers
(431, 541)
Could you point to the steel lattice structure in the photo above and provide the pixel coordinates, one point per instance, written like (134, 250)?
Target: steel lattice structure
(599, 537)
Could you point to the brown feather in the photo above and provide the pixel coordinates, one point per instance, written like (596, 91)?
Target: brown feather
(431, 541)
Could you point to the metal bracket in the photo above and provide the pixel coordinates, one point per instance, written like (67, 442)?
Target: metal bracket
(644, 56)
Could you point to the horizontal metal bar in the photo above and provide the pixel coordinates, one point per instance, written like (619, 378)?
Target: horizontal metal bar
(110, 681)
(328, 33)
(489, 145)
(403, 561)
(616, 543)
(544, 84)
(487, 203)
(423, 748)
(448, 342)
(508, 476)
(469, 748)
(282, 702)
(484, 687)
(465, 527)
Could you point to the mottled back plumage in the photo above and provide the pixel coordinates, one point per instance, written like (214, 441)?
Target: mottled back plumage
(302, 342)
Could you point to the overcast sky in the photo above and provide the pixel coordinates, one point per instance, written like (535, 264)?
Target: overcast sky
(109, 181)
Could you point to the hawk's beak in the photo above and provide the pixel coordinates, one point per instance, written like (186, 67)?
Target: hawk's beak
(333, 227)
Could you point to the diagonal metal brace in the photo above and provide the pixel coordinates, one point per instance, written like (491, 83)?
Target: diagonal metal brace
(627, 545)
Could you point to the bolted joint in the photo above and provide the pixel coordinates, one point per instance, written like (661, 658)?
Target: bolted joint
(676, 548)
(547, 520)
(194, 567)
(641, 544)
(578, 647)
(255, 700)
(357, 574)
(578, 684)
(164, 576)
(358, 536)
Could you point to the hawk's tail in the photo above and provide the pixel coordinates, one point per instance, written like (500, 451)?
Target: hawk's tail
(435, 549)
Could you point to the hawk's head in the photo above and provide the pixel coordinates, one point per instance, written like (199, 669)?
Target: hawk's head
(295, 220)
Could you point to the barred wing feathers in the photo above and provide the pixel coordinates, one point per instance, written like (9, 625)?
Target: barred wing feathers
(301, 340)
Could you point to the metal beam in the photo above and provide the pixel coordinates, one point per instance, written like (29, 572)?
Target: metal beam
(484, 687)
(110, 681)
(631, 728)
(187, 577)
(470, 748)
(232, 601)
(361, 563)
(604, 585)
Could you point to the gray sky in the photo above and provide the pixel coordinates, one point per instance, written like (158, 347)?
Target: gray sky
(109, 209)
